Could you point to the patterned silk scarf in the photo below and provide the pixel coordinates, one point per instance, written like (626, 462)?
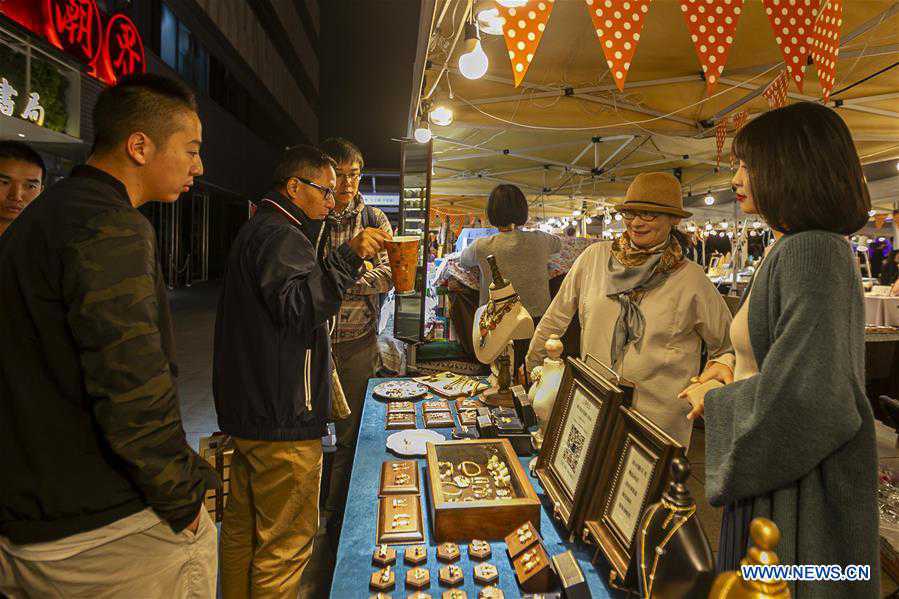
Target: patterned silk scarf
(632, 272)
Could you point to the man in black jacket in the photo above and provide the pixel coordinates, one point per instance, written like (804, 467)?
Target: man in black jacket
(99, 492)
(271, 378)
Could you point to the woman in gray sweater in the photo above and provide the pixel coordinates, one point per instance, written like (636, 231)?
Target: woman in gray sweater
(522, 256)
(792, 438)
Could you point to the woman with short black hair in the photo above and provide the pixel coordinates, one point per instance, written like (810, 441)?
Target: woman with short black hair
(522, 256)
(792, 438)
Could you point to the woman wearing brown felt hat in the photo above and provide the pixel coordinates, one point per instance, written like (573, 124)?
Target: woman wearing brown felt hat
(645, 310)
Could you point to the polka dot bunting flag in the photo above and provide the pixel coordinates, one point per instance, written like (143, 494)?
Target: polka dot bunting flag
(712, 25)
(720, 136)
(739, 120)
(618, 24)
(523, 29)
(826, 45)
(776, 92)
(792, 22)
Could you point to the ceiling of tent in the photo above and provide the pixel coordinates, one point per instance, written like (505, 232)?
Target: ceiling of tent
(568, 118)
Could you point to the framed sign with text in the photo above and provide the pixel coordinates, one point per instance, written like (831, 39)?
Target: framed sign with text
(576, 439)
(638, 461)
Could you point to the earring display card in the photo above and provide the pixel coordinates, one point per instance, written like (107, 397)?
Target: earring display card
(533, 570)
(521, 538)
(438, 420)
(435, 406)
(469, 403)
(399, 478)
(468, 417)
(400, 420)
(400, 520)
(401, 407)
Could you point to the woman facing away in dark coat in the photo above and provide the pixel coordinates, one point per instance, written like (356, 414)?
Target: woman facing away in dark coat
(792, 438)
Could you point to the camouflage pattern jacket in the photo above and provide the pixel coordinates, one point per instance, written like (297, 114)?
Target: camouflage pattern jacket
(90, 427)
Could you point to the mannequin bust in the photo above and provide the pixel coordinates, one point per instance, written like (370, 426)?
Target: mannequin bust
(496, 324)
(675, 557)
(547, 380)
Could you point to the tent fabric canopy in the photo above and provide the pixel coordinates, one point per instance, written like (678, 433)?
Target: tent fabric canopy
(567, 136)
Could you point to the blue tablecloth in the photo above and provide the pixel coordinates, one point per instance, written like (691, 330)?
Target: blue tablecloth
(358, 537)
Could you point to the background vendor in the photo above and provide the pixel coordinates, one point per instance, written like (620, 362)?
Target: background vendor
(522, 256)
(644, 309)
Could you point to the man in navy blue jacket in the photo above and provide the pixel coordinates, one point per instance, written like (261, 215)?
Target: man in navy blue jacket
(271, 378)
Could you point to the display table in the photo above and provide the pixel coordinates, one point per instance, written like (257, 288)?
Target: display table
(881, 310)
(358, 537)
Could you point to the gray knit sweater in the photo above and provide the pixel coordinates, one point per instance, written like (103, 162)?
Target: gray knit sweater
(798, 437)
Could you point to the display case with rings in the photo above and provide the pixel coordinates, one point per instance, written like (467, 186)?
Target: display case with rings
(478, 489)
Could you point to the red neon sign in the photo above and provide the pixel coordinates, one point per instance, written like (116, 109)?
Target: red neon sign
(123, 50)
(76, 28)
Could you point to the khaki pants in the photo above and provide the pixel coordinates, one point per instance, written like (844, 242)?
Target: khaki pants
(271, 517)
(154, 563)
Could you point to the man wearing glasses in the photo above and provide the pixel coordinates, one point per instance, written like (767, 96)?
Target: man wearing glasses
(271, 373)
(355, 342)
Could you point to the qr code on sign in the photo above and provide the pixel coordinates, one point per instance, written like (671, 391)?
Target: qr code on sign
(571, 451)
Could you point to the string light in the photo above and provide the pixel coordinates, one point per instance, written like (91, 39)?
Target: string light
(473, 63)
(441, 116)
(709, 200)
(423, 134)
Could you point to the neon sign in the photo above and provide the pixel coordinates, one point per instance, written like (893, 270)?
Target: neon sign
(77, 28)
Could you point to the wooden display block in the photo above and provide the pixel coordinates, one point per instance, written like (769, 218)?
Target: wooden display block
(456, 514)
(571, 577)
(438, 420)
(454, 594)
(383, 556)
(491, 593)
(418, 578)
(479, 550)
(383, 580)
(419, 595)
(400, 519)
(400, 420)
(523, 537)
(399, 478)
(469, 403)
(468, 417)
(401, 407)
(451, 575)
(448, 552)
(435, 406)
(416, 555)
(486, 573)
(533, 570)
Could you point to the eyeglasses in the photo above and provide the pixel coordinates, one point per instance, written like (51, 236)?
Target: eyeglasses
(350, 177)
(645, 216)
(327, 192)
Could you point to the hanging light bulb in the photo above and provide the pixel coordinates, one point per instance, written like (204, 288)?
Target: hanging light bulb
(730, 234)
(708, 227)
(725, 224)
(618, 216)
(488, 18)
(752, 233)
(607, 220)
(897, 166)
(871, 213)
(589, 220)
(423, 134)
(473, 63)
(511, 3)
(709, 200)
(720, 233)
(441, 116)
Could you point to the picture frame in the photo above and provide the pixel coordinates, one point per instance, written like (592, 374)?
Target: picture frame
(634, 474)
(576, 437)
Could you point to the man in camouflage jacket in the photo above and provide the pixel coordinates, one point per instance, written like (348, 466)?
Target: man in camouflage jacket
(99, 491)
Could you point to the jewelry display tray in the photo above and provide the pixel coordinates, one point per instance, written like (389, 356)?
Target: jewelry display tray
(488, 519)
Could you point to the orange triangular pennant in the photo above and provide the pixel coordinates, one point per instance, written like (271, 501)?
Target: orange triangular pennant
(712, 25)
(826, 45)
(523, 28)
(618, 24)
(792, 22)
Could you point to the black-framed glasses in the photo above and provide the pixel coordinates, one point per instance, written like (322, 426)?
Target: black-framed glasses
(326, 191)
(632, 214)
(351, 177)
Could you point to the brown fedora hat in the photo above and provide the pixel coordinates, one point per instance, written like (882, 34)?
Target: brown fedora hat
(655, 192)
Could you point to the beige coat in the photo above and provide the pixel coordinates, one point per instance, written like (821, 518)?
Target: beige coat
(680, 314)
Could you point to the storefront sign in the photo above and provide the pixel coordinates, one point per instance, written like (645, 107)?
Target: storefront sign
(76, 27)
(33, 112)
